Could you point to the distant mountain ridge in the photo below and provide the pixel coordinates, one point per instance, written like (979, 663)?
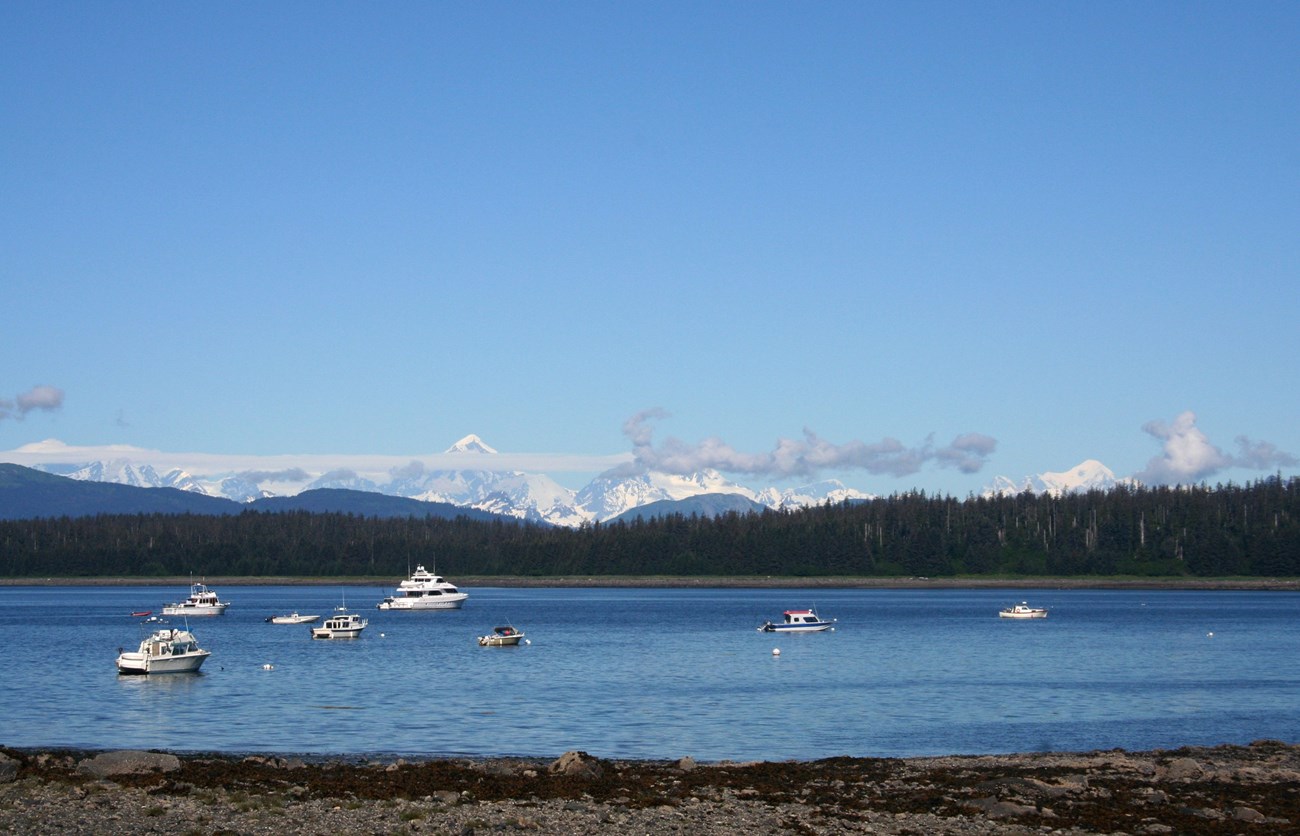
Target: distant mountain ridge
(525, 496)
(26, 493)
(539, 498)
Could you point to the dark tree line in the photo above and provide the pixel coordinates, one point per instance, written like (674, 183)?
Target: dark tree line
(1251, 530)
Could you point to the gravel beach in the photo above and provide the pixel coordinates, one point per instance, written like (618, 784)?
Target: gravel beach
(1225, 789)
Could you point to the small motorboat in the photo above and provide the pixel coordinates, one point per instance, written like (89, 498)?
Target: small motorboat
(292, 618)
(501, 637)
(202, 601)
(141, 613)
(165, 651)
(799, 621)
(340, 625)
(1022, 610)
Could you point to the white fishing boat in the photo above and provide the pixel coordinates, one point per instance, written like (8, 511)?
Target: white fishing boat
(424, 590)
(501, 637)
(202, 601)
(340, 625)
(799, 621)
(292, 618)
(1022, 610)
(166, 651)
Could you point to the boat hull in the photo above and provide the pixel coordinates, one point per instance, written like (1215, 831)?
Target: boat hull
(180, 609)
(143, 664)
(499, 641)
(1034, 614)
(796, 628)
(331, 633)
(293, 619)
(440, 602)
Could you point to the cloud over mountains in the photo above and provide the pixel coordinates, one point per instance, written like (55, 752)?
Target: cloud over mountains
(1187, 455)
(793, 457)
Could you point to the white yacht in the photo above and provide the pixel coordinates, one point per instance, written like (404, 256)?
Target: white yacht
(341, 625)
(166, 651)
(202, 601)
(1022, 610)
(424, 591)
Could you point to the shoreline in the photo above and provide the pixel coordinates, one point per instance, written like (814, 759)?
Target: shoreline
(1219, 789)
(711, 582)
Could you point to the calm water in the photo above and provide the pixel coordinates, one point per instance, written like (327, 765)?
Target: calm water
(653, 673)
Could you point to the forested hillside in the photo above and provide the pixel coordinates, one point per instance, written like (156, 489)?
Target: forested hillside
(1251, 530)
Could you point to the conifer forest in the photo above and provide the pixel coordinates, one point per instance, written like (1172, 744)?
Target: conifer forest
(1199, 531)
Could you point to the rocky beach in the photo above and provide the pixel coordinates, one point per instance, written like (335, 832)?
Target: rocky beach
(1218, 790)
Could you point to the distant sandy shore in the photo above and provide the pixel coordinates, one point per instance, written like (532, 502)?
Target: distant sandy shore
(757, 582)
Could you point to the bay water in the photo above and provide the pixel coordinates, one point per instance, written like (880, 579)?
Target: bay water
(661, 673)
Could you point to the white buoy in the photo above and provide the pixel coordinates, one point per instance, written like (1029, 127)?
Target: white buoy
(776, 651)
(1209, 635)
(528, 641)
(268, 667)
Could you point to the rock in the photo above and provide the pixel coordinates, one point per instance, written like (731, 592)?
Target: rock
(1247, 814)
(1183, 769)
(128, 762)
(577, 765)
(686, 764)
(8, 769)
(995, 809)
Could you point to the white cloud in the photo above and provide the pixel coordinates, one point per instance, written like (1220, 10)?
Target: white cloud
(1189, 457)
(44, 398)
(793, 457)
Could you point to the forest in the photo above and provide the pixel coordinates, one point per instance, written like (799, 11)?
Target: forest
(1199, 531)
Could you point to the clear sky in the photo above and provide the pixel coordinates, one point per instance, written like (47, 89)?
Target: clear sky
(907, 245)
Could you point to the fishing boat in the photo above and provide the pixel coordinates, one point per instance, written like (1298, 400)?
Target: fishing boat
(1022, 610)
(341, 625)
(501, 637)
(292, 618)
(799, 621)
(424, 590)
(202, 601)
(166, 651)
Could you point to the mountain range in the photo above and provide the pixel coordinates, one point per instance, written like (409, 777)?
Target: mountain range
(1085, 476)
(528, 496)
(28, 493)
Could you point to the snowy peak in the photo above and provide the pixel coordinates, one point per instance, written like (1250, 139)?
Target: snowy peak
(826, 491)
(470, 444)
(605, 499)
(1086, 476)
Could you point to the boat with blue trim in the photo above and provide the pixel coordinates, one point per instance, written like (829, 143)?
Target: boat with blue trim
(799, 621)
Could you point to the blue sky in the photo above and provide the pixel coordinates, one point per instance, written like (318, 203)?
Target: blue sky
(907, 245)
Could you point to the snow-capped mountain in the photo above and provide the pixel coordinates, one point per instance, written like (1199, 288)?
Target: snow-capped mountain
(1085, 476)
(528, 496)
(817, 493)
(604, 498)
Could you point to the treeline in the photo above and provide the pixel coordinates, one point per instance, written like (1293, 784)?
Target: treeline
(1251, 530)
